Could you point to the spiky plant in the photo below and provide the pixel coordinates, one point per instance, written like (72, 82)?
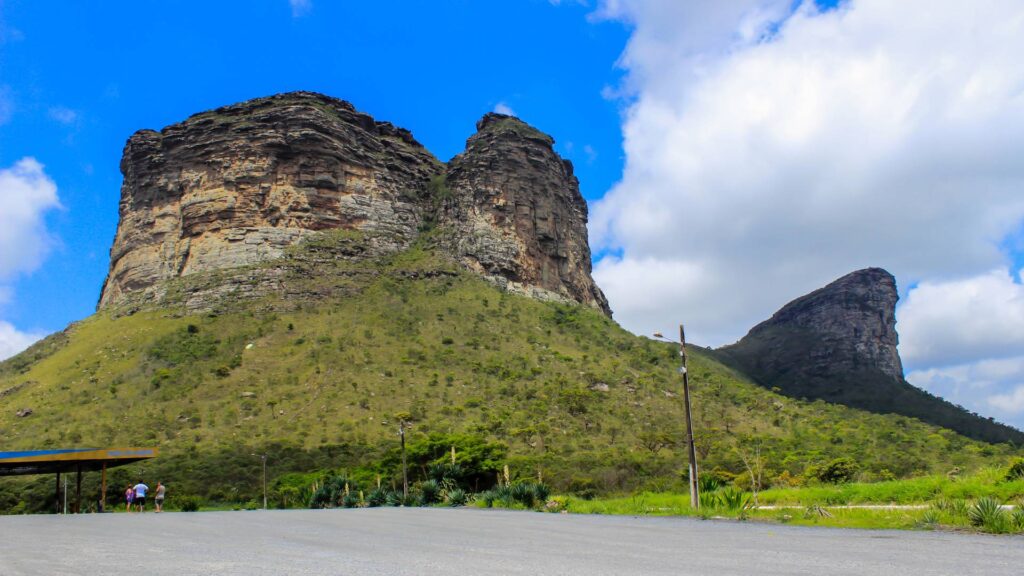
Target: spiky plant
(487, 497)
(457, 497)
(377, 497)
(731, 499)
(541, 492)
(958, 508)
(987, 513)
(350, 500)
(709, 500)
(523, 494)
(430, 492)
(816, 511)
(930, 518)
(1017, 518)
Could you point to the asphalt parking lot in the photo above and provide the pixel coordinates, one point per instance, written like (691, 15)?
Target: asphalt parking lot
(393, 541)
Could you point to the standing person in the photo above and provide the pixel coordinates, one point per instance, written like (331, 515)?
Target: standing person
(129, 498)
(140, 495)
(159, 496)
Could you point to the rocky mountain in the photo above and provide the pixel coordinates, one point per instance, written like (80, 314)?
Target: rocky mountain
(839, 344)
(238, 185)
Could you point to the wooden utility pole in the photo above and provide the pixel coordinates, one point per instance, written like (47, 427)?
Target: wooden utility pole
(405, 470)
(694, 496)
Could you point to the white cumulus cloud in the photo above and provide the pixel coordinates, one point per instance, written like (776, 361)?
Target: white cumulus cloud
(502, 108)
(771, 148)
(956, 321)
(13, 341)
(769, 152)
(26, 194)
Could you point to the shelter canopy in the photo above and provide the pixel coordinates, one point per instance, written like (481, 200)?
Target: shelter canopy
(70, 460)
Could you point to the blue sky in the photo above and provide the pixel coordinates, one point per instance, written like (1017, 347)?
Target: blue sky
(79, 78)
(735, 154)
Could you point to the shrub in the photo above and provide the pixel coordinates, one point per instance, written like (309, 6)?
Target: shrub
(188, 503)
(1016, 470)
(838, 471)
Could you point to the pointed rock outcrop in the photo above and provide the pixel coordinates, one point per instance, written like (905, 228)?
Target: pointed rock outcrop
(515, 214)
(839, 344)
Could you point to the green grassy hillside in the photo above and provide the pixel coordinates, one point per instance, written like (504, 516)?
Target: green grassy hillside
(315, 380)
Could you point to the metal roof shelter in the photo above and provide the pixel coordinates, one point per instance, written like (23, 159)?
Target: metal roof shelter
(76, 460)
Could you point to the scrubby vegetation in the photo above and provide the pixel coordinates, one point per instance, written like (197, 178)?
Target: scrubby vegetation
(316, 382)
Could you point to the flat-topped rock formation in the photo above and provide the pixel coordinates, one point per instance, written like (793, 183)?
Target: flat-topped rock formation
(237, 185)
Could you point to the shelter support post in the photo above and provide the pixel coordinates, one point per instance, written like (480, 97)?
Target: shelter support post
(103, 488)
(78, 489)
(56, 493)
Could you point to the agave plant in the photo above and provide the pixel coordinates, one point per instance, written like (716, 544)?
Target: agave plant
(709, 500)
(987, 513)
(398, 499)
(958, 508)
(1017, 518)
(487, 497)
(731, 499)
(457, 497)
(930, 518)
(430, 492)
(523, 493)
(350, 500)
(541, 492)
(816, 510)
(377, 497)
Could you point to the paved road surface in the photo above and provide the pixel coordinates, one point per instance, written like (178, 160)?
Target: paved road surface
(390, 541)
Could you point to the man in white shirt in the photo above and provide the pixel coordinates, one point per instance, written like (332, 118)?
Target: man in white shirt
(140, 495)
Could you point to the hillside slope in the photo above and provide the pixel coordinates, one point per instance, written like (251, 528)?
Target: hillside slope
(314, 372)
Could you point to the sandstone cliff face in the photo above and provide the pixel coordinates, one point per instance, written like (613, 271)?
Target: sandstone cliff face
(516, 213)
(848, 325)
(237, 185)
(838, 344)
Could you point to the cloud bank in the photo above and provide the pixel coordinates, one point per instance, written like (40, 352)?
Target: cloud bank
(771, 150)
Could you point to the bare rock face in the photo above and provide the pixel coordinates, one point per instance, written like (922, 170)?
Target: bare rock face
(516, 213)
(838, 344)
(845, 326)
(238, 184)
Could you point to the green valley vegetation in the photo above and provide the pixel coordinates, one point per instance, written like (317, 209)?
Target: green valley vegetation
(316, 379)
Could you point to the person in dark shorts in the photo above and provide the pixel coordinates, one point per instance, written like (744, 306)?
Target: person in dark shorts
(158, 498)
(140, 495)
